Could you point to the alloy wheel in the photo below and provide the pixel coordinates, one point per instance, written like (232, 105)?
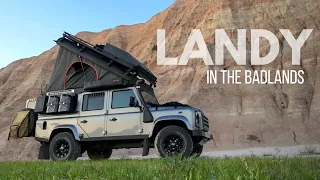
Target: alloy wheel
(62, 148)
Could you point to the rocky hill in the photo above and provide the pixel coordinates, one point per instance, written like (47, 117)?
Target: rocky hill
(240, 115)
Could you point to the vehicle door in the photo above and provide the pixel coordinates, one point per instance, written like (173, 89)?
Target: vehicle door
(93, 113)
(123, 120)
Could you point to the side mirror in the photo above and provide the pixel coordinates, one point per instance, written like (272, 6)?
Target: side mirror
(132, 102)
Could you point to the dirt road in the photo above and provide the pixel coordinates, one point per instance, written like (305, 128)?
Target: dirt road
(289, 151)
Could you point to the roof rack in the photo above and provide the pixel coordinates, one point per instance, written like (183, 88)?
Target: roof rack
(76, 39)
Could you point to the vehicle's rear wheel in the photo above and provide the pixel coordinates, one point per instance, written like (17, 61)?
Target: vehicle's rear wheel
(64, 147)
(95, 154)
(197, 150)
(173, 140)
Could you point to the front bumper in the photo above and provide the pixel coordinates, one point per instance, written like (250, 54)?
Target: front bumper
(205, 136)
(202, 134)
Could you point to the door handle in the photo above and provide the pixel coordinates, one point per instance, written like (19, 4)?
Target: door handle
(113, 119)
(84, 121)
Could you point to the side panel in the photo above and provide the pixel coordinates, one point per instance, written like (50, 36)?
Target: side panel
(93, 124)
(124, 120)
(93, 121)
(45, 126)
(127, 123)
(88, 123)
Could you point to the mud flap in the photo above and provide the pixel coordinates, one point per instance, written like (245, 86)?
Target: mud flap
(146, 147)
(44, 152)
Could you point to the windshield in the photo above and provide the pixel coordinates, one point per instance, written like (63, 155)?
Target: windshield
(149, 97)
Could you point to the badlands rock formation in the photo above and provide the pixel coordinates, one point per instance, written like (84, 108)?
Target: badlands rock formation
(240, 115)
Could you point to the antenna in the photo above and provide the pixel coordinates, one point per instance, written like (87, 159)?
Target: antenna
(41, 90)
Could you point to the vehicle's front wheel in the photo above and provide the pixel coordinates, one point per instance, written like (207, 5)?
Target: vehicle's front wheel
(197, 150)
(64, 147)
(173, 140)
(95, 154)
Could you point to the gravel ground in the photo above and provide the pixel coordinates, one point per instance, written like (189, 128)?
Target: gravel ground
(289, 151)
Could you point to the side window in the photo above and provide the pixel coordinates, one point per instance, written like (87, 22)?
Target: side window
(92, 102)
(121, 99)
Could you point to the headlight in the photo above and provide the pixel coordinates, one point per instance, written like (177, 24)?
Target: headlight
(198, 118)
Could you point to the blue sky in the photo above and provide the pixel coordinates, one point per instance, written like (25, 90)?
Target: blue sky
(27, 28)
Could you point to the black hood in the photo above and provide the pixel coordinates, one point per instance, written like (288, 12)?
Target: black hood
(170, 104)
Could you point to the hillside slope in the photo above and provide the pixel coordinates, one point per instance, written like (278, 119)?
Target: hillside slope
(240, 115)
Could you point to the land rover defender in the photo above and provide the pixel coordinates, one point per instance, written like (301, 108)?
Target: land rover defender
(122, 118)
(101, 98)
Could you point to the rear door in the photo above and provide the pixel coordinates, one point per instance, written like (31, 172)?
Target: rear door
(93, 114)
(122, 120)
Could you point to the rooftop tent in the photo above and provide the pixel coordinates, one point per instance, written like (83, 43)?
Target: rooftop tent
(80, 65)
(79, 72)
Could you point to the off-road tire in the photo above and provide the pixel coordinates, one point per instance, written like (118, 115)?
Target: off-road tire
(74, 147)
(197, 150)
(187, 145)
(95, 154)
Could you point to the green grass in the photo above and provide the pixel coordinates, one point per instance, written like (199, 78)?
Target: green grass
(173, 168)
